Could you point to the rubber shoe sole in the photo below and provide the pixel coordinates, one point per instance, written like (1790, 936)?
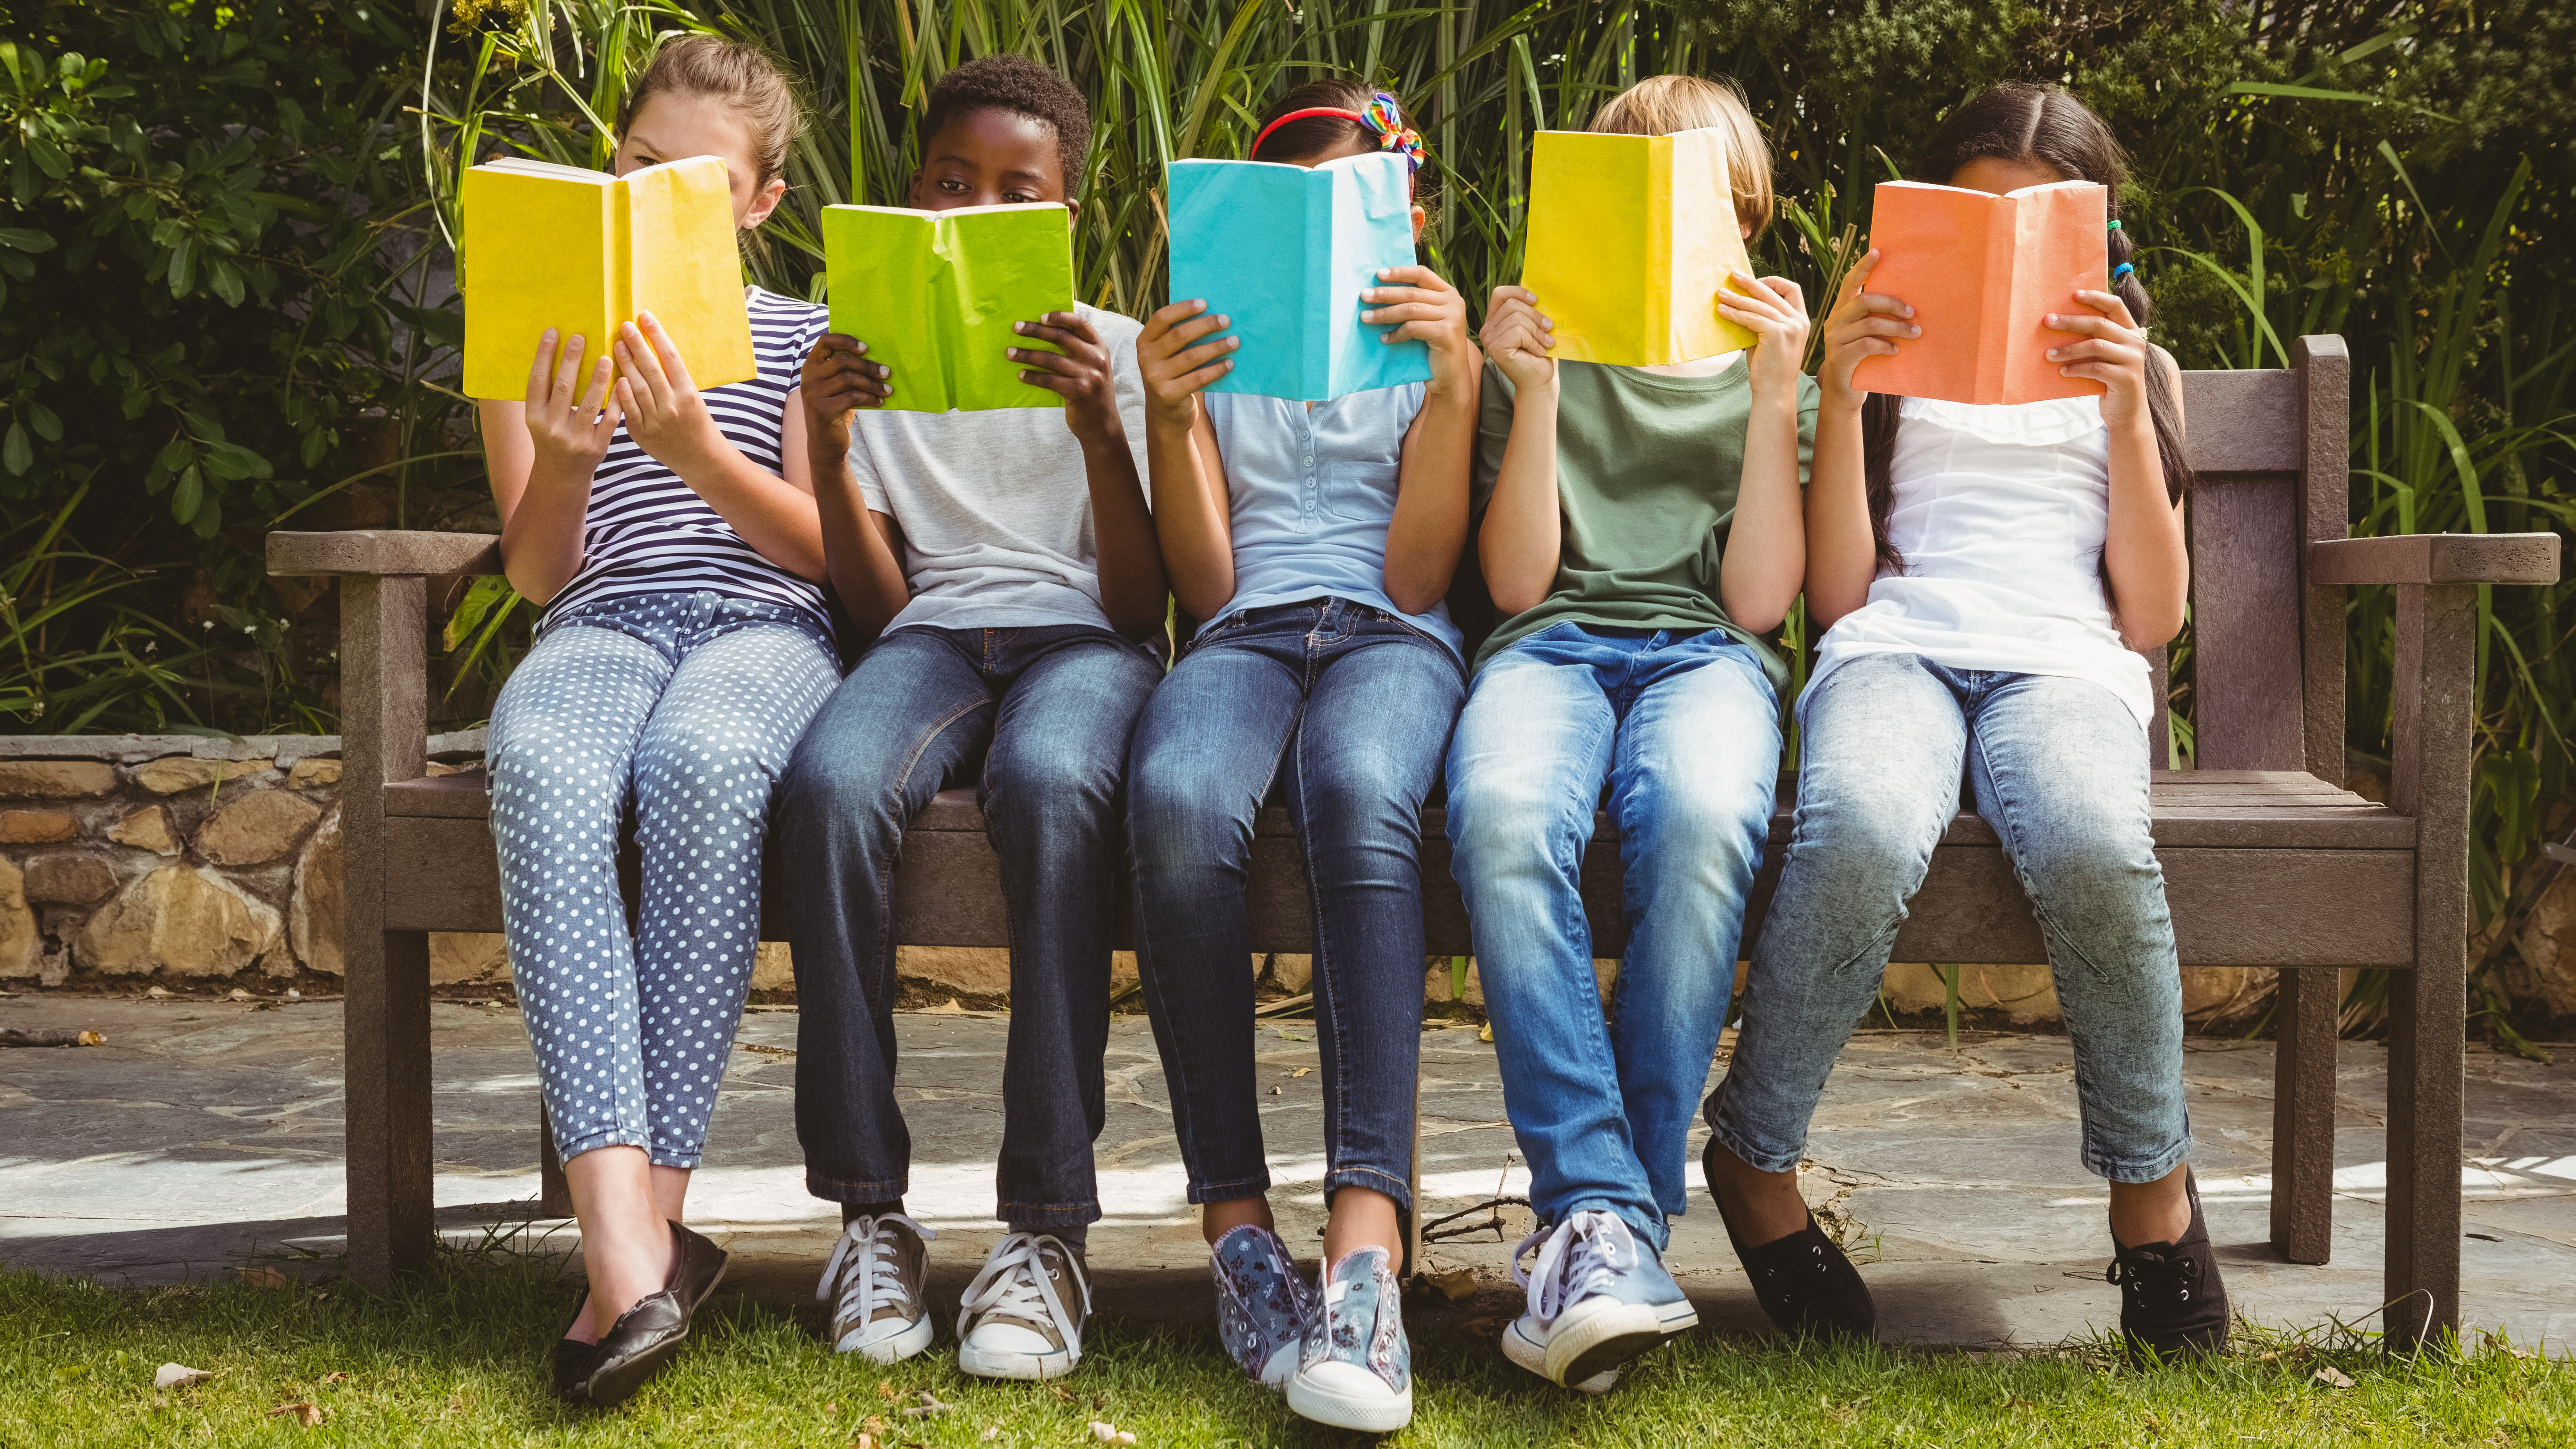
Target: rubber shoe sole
(1602, 1333)
(1526, 1350)
(1026, 1368)
(914, 1338)
(1282, 1366)
(1314, 1394)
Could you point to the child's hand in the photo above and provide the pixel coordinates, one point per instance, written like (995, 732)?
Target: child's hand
(2114, 354)
(1516, 338)
(664, 414)
(1862, 324)
(1080, 375)
(569, 430)
(1425, 308)
(1174, 369)
(836, 378)
(1775, 312)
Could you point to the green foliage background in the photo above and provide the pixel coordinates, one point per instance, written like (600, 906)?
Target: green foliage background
(223, 236)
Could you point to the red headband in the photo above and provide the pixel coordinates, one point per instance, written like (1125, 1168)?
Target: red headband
(1306, 114)
(1381, 117)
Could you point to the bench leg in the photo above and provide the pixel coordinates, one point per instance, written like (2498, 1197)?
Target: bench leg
(2303, 1116)
(554, 1194)
(386, 1025)
(2426, 1059)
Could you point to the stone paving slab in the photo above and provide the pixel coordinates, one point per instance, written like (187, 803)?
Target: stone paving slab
(204, 1132)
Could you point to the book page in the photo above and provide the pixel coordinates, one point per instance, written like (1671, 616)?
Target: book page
(935, 296)
(534, 167)
(534, 255)
(1934, 255)
(685, 266)
(1243, 241)
(1707, 243)
(1592, 255)
(1363, 212)
(2060, 247)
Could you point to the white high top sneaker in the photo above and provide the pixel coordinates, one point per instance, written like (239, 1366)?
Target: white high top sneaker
(1022, 1317)
(875, 1283)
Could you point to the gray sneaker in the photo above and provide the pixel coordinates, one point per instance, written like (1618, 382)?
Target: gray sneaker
(1022, 1317)
(876, 1281)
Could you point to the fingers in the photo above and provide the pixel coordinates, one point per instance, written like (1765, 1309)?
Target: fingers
(1062, 328)
(1167, 318)
(541, 372)
(2109, 305)
(1410, 312)
(1416, 276)
(637, 359)
(1055, 363)
(1860, 271)
(596, 395)
(1181, 334)
(675, 368)
(1502, 295)
(567, 375)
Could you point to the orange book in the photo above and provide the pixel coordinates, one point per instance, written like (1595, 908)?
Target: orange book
(1980, 271)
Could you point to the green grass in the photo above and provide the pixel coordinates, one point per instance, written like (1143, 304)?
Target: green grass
(455, 1358)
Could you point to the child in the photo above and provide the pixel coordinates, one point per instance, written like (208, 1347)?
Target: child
(1010, 562)
(1317, 541)
(673, 538)
(1988, 573)
(1640, 528)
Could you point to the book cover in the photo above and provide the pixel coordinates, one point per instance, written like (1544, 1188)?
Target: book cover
(1284, 252)
(935, 294)
(1630, 238)
(584, 251)
(1980, 271)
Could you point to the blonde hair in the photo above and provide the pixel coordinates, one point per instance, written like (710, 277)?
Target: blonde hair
(1662, 104)
(737, 73)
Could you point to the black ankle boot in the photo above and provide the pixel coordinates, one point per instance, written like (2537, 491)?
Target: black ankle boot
(2172, 1303)
(648, 1334)
(1803, 1281)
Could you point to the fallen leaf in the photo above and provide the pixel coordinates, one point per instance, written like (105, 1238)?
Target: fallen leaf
(864, 1441)
(90, 1038)
(928, 1407)
(1058, 1391)
(261, 1275)
(886, 1391)
(178, 1376)
(1110, 1433)
(237, 994)
(1486, 1326)
(832, 1408)
(335, 1378)
(1279, 1091)
(991, 1434)
(303, 1413)
(156, 994)
(2333, 1377)
(873, 1425)
(1455, 1284)
(1302, 1071)
(1487, 1034)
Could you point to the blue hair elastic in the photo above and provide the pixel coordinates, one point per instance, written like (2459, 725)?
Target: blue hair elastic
(2122, 270)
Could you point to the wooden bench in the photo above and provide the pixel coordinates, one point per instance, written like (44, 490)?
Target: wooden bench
(2268, 860)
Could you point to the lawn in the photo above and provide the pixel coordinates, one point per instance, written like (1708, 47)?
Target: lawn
(455, 1358)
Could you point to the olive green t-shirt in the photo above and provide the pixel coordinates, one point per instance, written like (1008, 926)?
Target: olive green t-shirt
(1646, 473)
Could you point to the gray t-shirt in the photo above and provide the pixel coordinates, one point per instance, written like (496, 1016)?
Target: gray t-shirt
(994, 506)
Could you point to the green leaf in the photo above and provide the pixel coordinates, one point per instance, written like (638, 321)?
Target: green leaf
(183, 271)
(176, 454)
(185, 499)
(22, 239)
(226, 279)
(17, 454)
(48, 426)
(48, 156)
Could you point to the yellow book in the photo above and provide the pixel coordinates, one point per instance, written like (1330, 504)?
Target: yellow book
(584, 251)
(1630, 238)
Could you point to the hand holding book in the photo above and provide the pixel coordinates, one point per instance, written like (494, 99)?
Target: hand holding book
(1416, 304)
(1078, 371)
(571, 421)
(664, 413)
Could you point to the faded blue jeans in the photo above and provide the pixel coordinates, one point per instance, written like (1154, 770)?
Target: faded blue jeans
(1684, 728)
(1347, 710)
(2060, 771)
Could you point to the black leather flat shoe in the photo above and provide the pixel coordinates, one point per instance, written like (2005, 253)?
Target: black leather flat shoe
(1803, 1281)
(2172, 1304)
(572, 1360)
(648, 1334)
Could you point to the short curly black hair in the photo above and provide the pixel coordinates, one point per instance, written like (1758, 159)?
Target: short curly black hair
(1017, 83)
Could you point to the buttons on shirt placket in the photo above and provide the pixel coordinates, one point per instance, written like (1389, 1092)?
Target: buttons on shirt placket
(1309, 497)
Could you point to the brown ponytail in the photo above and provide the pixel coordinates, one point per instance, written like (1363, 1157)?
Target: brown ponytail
(2047, 126)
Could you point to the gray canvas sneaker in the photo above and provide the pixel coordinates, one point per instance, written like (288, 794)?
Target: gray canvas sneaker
(876, 1283)
(1022, 1317)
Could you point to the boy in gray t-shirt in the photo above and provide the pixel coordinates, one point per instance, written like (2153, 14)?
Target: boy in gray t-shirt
(1007, 564)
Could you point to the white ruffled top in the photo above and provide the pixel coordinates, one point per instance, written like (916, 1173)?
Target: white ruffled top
(1999, 514)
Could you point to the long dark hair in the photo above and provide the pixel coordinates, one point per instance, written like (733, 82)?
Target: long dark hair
(2045, 125)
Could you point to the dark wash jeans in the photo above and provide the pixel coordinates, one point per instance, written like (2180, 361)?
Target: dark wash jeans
(1348, 710)
(1049, 710)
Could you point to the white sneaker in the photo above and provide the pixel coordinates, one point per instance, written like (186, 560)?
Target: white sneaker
(1525, 1343)
(1597, 1298)
(875, 1283)
(1023, 1314)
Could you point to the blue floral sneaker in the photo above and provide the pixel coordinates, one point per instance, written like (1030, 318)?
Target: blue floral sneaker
(1263, 1304)
(1598, 1297)
(1356, 1371)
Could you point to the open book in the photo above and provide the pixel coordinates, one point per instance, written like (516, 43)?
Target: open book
(584, 251)
(1284, 252)
(1630, 238)
(935, 294)
(1980, 271)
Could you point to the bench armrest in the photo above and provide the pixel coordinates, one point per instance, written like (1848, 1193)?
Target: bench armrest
(2436, 558)
(384, 553)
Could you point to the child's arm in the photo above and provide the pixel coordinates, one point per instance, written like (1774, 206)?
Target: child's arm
(1430, 524)
(1766, 546)
(862, 549)
(668, 419)
(540, 454)
(1523, 537)
(1191, 511)
(1133, 590)
(2144, 553)
(1842, 549)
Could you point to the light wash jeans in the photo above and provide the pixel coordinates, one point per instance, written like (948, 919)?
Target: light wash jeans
(2060, 772)
(1684, 727)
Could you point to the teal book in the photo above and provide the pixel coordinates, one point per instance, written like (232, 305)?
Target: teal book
(935, 296)
(1284, 252)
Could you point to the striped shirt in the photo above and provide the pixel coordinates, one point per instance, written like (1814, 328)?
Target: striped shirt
(649, 533)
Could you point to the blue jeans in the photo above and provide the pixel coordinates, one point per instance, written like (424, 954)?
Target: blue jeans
(2060, 773)
(1048, 711)
(1348, 709)
(684, 708)
(1684, 728)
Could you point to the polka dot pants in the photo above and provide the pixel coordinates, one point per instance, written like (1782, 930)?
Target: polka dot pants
(686, 707)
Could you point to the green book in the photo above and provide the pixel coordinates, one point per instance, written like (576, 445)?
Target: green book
(935, 294)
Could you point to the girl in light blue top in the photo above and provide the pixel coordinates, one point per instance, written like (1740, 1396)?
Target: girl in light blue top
(1317, 541)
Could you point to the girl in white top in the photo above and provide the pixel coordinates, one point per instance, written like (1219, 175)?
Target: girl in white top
(1989, 575)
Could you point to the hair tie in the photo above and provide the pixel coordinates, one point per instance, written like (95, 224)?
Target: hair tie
(1382, 117)
(2115, 225)
(2122, 270)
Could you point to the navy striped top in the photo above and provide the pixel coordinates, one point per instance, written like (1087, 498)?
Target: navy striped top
(649, 533)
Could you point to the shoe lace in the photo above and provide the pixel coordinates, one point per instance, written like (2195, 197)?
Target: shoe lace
(864, 1274)
(2147, 1275)
(1015, 1284)
(1576, 1259)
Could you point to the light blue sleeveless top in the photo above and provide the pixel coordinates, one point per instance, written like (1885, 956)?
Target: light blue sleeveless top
(1312, 494)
